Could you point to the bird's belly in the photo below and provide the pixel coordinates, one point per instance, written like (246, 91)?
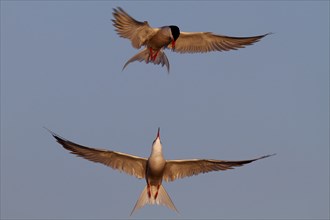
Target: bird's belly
(158, 42)
(155, 171)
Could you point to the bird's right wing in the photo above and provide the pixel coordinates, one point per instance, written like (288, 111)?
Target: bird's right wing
(132, 165)
(202, 42)
(176, 169)
(127, 27)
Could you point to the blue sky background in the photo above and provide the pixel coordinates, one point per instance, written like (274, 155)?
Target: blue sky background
(61, 68)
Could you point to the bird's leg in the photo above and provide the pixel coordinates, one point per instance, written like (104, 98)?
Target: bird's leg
(154, 58)
(148, 189)
(157, 191)
(151, 56)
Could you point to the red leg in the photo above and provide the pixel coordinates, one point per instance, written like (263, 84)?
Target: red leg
(154, 58)
(157, 191)
(151, 56)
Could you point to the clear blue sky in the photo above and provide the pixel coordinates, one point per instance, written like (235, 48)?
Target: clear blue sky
(61, 68)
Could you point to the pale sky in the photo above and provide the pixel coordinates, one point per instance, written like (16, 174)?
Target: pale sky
(61, 68)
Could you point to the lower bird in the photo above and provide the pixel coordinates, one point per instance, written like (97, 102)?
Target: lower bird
(155, 40)
(154, 169)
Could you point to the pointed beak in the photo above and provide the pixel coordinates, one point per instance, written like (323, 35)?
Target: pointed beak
(158, 133)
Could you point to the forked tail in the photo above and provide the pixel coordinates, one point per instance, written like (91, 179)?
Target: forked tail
(162, 199)
(144, 55)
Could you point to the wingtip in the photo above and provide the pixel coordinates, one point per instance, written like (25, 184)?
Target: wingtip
(56, 136)
(50, 131)
(123, 67)
(269, 155)
(269, 33)
(117, 8)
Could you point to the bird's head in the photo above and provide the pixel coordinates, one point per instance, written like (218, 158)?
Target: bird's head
(175, 31)
(157, 144)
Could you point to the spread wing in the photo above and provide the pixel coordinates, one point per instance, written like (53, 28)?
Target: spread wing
(127, 27)
(132, 165)
(176, 169)
(202, 42)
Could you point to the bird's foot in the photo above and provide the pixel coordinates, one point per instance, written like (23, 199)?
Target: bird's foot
(152, 56)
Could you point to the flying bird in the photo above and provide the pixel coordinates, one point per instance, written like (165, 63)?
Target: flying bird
(155, 40)
(154, 169)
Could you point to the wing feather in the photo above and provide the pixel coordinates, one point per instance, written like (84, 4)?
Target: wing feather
(127, 27)
(176, 169)
(130, 164)
(202, 42)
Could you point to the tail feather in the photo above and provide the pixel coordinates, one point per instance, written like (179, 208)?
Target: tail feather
(142, 201)
(144, 55)
(162, 199)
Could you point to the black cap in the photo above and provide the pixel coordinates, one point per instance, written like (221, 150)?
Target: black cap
(175, 31)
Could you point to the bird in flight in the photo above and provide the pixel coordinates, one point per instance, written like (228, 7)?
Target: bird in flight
(155, 40)
(154, 169)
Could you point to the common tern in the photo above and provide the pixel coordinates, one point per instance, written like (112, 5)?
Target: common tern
(155, 40)
(154, 169)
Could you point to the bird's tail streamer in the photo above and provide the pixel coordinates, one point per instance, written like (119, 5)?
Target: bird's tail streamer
(144, 55)
(162, 199)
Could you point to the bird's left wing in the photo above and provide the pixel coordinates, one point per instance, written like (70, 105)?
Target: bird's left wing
(176, 169)
(202, 42)
(127, 27)
(132, 165)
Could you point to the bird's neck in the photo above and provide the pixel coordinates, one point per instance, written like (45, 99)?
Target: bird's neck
(156, 150)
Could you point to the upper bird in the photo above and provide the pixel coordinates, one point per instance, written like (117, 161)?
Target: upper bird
(154, 169)
(156, 40)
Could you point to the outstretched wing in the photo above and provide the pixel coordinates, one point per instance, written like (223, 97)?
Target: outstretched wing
(176, 169)
(127, 27)
(202, 42)
(132, 165)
